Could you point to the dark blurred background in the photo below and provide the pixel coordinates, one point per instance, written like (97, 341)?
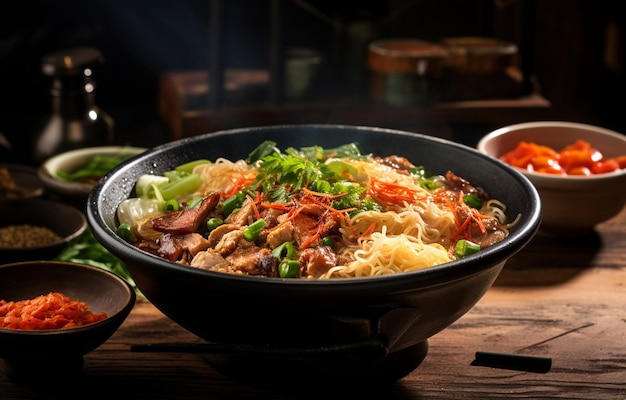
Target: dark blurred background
(571, 54)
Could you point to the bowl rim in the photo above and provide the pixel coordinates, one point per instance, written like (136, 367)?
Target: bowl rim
(434, 275)
(126, 306)
(43, 202)
(483, 141)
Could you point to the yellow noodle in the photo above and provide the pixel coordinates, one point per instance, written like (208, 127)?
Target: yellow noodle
(219, 176)
(382, 254)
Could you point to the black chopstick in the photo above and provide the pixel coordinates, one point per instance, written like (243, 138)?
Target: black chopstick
(516, 362)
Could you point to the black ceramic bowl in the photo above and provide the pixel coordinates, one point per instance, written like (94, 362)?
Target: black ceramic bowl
(362, 327)
(67, 221)
(38, 356)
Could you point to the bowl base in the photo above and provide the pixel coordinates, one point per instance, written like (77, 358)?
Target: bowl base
(35, 372)
(268, 369)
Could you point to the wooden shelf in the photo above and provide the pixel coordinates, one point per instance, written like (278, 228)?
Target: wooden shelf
(184, 107)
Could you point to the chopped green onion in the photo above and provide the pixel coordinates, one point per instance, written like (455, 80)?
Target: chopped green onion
(328, 241)
(170, 205)
(464, 248)
(144, 183)
(232, 203)
(472, 201)
(213, 223)
(124, 231)
(289, 269)
(285, 250)
(188, 167)
(185, 185)
(174, 175)
(252, 232)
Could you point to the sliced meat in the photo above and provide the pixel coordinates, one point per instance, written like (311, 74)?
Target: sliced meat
(313, 209)
(243, 216)
(253, 260)
(397, 162)
(331, 225)
(316, 261)
(218, 233)
(229, 242)
(493, 235)
(279, 235)
(210, 260)
(177, 247)
(458, 184)
(273, 217)
(303, 227)
(187, 220)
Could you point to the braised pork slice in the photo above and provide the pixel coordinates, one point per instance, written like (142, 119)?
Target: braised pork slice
(229, 242)
(187, 220)
(210, 260)
(218, 233)
(253, 260)
(279, 235)
(173, 247)
(243, 216)
(316, 261)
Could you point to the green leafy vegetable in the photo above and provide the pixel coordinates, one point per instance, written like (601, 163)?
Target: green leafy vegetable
(263, 150)
(89, 251)
(95, 167)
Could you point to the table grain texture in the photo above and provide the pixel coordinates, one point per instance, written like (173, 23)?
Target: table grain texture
(558, 298)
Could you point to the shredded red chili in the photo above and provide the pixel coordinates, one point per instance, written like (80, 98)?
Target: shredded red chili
(51, 311)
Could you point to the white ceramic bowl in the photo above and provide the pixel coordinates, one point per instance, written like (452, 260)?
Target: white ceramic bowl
(572, 205)
(71, 160)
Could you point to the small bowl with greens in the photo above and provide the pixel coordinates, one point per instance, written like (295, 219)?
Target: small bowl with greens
(73, 174)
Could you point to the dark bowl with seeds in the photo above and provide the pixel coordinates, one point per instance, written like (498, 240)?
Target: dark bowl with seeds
(37, 229)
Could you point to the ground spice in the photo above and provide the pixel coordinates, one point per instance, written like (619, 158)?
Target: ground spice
(26, 236)
(51, 311)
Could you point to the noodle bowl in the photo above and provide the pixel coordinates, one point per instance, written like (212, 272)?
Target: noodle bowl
(326, 328)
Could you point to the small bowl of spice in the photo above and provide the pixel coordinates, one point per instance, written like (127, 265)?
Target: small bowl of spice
(37, 229)
(52, 313)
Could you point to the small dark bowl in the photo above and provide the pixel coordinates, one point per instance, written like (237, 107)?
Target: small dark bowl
(26, 180)
(45, 355)
(66, 221)
(367, 328)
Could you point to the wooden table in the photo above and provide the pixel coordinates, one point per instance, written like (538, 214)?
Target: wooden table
(563, 299)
